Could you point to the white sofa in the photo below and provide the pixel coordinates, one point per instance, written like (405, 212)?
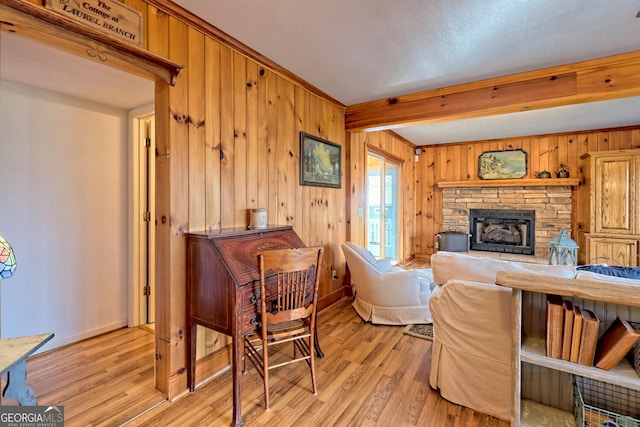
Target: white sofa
(471, 360)
(384, 294)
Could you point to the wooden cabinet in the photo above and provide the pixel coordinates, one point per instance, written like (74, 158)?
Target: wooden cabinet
(609, 199)
(614, 194)
(528, 310)
(612, 250)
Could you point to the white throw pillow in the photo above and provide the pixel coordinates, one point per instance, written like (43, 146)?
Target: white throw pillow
(364, 253)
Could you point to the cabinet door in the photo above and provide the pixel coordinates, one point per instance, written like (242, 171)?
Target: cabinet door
(614, 210)
(612, 251)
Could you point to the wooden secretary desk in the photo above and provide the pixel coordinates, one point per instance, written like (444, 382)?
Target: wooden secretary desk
(223, 290)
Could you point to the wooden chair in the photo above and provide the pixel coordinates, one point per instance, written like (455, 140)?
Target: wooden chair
(289, 281)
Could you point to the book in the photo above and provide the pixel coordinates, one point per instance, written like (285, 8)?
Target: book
(588, 338)
(567, 331)
(577, 333)
(555, 326)
(615, 343)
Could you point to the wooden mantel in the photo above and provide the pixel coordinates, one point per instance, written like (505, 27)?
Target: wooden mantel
(551, 182)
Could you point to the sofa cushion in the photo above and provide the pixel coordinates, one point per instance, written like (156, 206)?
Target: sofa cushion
(455, 265)
(384, 264)
(626, 272)
(425, 278)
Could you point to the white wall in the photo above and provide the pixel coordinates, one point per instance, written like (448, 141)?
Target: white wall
(63, 208)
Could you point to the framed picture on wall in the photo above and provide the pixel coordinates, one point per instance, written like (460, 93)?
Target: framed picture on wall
(503, 164)
(320, 162)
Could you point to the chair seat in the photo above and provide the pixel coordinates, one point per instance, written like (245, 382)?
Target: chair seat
(283, 326)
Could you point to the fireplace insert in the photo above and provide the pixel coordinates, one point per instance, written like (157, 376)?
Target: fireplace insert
(503, 230)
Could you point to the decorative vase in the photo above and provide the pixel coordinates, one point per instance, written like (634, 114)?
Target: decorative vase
(258, 218)
(562, 174)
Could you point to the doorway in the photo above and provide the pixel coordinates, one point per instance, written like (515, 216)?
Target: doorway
(383, 206)
(75, 138)
(143, 289)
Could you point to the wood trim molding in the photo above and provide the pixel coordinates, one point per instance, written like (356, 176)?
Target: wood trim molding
(381, 152)
(53, 29)
(551, 182)
(611, 77)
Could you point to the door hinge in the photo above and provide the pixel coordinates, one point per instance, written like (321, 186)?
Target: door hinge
(146, 216)
(147, 290)
(147, 142)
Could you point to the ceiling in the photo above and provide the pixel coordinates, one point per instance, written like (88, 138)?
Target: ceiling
(363, 50)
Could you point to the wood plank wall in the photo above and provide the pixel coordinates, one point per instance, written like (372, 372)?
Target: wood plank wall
(459, 162)
(396, 148)
(234, 145)
(228, 141)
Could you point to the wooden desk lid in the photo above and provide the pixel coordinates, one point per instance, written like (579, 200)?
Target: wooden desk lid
(239, 252)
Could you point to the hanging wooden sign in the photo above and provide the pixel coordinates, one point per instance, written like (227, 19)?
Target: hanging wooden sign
(110, 16)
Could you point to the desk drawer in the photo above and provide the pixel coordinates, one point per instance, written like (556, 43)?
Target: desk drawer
(250, 320)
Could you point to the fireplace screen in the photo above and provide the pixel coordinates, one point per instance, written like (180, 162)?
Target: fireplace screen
(498, 230)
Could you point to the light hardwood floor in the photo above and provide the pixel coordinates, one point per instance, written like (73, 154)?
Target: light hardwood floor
(371, 376)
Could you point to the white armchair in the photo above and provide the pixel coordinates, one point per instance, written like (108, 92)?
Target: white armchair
(384, 294)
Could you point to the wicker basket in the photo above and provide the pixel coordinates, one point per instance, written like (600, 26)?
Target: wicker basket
(600, 404)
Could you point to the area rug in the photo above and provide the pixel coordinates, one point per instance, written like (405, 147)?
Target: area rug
(420, 330)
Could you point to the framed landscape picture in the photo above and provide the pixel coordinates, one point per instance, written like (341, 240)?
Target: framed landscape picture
(320, 162)
(504, 164)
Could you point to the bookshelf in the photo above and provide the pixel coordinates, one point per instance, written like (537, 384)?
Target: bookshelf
(530, 349)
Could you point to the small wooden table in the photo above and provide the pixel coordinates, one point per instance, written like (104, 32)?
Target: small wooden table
(13, 362)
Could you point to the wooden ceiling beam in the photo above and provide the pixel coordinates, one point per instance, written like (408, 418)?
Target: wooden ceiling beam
(599, 79)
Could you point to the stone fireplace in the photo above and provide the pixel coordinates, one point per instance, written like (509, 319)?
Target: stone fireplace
(551, 206)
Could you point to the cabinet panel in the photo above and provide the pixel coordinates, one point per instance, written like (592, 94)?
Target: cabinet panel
(612, 251)
(614, 195)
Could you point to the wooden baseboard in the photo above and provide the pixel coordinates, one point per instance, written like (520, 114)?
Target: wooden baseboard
(332, 298)
(207, 368)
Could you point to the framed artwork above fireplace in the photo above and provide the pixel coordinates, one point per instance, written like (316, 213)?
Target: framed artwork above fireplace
(503, 164)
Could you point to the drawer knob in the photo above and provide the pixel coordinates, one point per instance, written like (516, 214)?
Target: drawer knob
(253, 320)
(255, 297)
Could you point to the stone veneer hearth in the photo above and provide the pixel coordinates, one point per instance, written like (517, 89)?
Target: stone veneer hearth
(552, 206)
